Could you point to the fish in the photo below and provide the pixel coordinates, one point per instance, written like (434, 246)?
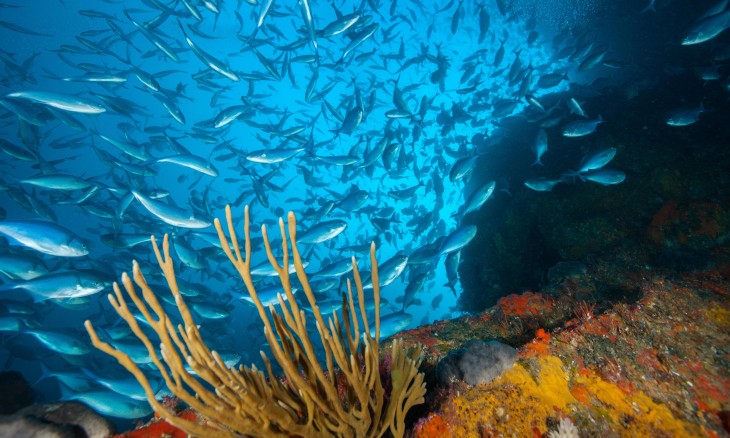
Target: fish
(210, 310)
(581, 128)
(456, 17)
(336, 269)
(193, 162)
(484, 21)
(499, 54)
(392, 323)
(684, 116)
(542, 184)
(262, 16)
(133, 150)
(338, 26)
(309, 22)
(389, 270)
(458, 239)
(551, 80)
(451, 265)
(20, 29)
(327, 306)
(60, 101)
(207, 59)
(128, 387)
(414, 286)
(22, 266)
(75, 380)
(186, 253)
(268, 295)
(362, 36)
(58, 182)
(60, 285)
(597, 160)
(540, 147)
(97, 77)
(649, 8)
(18, 152)
(121, 241)
(170, 214)
(45, 237)
(353, 200)
(229, 115)
(270, 156)
(60, 342)
(111, 403)
(707, 28)
(322, 232)
(405, 194)
(154, 39)
(462, 167)
(592, 60)
(477, 199)
(605, 177)
(575, 108)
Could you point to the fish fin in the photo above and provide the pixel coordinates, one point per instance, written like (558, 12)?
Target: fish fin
(450, 286)
(66, 392)
(45, 374)
(8, 286)
(37, 298)
(649, 8)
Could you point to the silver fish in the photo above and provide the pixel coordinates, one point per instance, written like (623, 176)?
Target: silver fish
(684, 116)
(60, 285)
(191, 162)
(478, 198)
(580, 128)
(605, 177)
(170, 214)
(112, 404)
(392, 323)
(707, 28)
(597, 160)
(45, 237)
(542, 184)
(458, 239)
(540, 147)
(322, 232)
(61, 343)
(60, 101)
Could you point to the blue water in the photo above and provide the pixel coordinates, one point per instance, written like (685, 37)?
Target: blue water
(76, 43)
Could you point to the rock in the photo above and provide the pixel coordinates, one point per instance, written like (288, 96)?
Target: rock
(30, 427)
(67, 419)
(695, 224)
(476, 362)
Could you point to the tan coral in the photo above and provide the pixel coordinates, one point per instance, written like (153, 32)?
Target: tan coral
(245, 401)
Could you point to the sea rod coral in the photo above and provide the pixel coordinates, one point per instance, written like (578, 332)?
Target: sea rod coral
(344, 397)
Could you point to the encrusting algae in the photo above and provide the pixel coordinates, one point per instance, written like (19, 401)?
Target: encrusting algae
(345, 397)
(523, 401)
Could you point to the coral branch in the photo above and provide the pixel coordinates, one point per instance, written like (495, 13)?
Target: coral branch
(252, 402)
